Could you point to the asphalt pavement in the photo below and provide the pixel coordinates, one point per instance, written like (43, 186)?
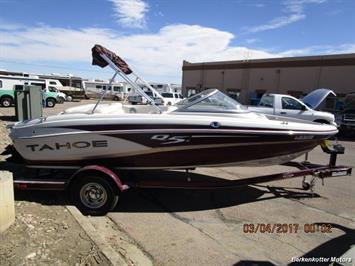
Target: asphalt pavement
(219, 227)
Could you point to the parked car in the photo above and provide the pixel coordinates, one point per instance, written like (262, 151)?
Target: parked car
(61, 97)
(72, 93)
(138, 99)
(170, 98)
(115, 96)
(286, 105)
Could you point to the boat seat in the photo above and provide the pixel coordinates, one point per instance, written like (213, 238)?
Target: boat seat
(112, 108)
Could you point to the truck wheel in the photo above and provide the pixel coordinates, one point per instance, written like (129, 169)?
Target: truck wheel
(50, 103)
(61, 100)
(6, 102)
(69, 98)
(116, 98)
(94, 195)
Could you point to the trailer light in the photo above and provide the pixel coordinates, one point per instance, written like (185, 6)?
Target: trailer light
(22, 186)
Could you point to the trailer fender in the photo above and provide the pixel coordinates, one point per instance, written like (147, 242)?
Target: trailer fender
(103, 170)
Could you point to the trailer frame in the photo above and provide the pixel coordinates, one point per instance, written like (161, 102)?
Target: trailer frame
(109, 179)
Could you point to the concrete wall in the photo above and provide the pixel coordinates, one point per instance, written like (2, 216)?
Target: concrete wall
(342, 78)
(291, 78)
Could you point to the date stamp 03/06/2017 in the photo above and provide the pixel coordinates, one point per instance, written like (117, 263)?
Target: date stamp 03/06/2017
(286, 228)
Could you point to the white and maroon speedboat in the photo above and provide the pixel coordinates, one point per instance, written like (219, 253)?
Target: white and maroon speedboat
(208, 129)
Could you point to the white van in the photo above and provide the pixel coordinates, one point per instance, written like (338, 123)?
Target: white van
(94, 89)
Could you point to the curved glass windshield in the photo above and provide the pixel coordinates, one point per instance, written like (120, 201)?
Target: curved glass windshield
(211, 100)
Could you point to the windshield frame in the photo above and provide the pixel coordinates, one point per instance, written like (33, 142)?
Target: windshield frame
(208, 93)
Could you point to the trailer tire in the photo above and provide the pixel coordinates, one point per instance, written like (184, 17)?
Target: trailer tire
(6, 101)
(50, 102)
(306, 186)
(94, 194)
(69, 98)
(116, 98)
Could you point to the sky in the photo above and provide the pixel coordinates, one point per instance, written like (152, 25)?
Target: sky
(155, 36)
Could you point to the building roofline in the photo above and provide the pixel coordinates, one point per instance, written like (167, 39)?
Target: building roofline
(318, 60)
(59, 77)
(43, 76)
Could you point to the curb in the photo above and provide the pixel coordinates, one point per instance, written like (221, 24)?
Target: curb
(114, 257)
(116, 245)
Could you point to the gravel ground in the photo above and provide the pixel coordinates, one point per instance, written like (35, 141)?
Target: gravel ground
(44, 232)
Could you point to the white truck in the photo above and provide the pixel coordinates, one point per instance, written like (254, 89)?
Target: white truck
(171, 98)
(9, 84)
(286, 105)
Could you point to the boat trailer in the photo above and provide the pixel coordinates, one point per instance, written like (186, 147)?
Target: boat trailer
(95, 189)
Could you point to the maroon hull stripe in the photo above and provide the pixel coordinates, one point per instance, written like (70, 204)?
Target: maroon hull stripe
(152, 140)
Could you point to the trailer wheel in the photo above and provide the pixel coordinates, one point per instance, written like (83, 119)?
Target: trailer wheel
(116, 98)
(50, 103)
(94, 195)
(306, 185)
(6, 102)
(69, 98)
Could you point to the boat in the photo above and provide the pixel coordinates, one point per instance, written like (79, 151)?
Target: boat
(208, 129)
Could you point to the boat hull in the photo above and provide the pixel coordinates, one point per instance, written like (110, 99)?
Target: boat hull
(164, 148)
(228, 156)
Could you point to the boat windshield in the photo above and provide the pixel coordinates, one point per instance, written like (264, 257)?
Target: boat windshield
(211, 100)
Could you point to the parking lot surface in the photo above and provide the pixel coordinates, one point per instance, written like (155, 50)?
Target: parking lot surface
(213, 227)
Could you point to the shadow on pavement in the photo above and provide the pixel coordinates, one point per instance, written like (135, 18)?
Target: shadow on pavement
(253, 263)
(335, 247)
(181, 200)
(196, 199)
(8, 118)
(43, 197)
